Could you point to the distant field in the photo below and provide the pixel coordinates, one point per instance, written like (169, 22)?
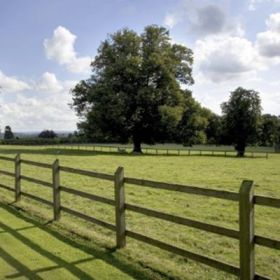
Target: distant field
(207, 171)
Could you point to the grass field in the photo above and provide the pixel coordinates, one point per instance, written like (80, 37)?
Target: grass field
(208, 171)
(24, 254)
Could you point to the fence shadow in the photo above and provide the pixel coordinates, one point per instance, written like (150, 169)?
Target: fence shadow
(94, 252)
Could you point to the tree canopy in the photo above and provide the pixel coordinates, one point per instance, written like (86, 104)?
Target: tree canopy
(135, 90)
(47, 134)
(269, 134)
(242, 116)
(139, 92)
(8, 134)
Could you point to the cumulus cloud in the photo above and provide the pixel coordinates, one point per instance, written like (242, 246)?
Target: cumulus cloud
(49, 83)
(221, 58)
(61, 49)
(25, 113)
(268, 42)
(45, 105)
(203, 20)
(11, 84)
(36, 114)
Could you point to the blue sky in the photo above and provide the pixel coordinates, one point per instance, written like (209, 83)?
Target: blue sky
(46, 47)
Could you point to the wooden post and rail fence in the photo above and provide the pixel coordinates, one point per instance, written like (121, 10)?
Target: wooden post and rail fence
(169, 151)
(161, 151)
(246, 199)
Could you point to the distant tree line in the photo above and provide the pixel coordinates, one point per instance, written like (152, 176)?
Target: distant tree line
(45, 137)
(139, 92)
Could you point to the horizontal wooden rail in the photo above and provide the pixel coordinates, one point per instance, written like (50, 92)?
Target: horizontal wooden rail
(182, 188)
(87, 195)
(7, 158)
(267, 201)
(267, 242)
(184, 253)
(36, 181)
(6, 187)
(183, 221)
(88, 218)
(37, 198)
(35, 163)
(87, 173)
(7, 173)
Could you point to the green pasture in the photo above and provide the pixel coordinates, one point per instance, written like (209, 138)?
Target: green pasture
(218, 172)
(31, 250)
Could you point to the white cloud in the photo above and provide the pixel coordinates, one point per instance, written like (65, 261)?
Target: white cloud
(49, 83)
(61, 49)
(80, 65)
(268, 42)
(273, 23)
(35, 110)
(221, 58)
(11, 84)
(39, 112)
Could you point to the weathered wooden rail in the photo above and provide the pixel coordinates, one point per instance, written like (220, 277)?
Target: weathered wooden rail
(246, 199)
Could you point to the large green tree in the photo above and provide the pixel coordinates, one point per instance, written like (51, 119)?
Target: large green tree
(269, 130)
(242, 116)
(8, 134)
(47, 134)
(191, 128)
(214, 129)
(134, 91)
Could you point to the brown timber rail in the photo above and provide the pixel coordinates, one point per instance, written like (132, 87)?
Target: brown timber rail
(246, 199)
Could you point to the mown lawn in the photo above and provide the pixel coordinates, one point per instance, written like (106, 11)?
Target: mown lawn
(208, 171)
(31, 250)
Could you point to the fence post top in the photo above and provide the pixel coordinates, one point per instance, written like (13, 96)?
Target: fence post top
(119, 170)
(56, 162)
(246, 186)
(17, 156)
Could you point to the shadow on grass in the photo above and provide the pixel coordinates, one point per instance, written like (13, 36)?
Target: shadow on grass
(85, 151)
(24, 270)
(95, 253)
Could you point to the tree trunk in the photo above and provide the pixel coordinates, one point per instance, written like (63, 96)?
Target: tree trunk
(136, 145)
(240, 148)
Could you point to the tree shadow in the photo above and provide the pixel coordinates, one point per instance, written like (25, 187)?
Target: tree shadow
(129, 268)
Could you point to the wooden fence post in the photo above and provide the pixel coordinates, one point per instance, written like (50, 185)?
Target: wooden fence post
(120, 207)
(56, 190)
(246, 226)
(17, 178)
